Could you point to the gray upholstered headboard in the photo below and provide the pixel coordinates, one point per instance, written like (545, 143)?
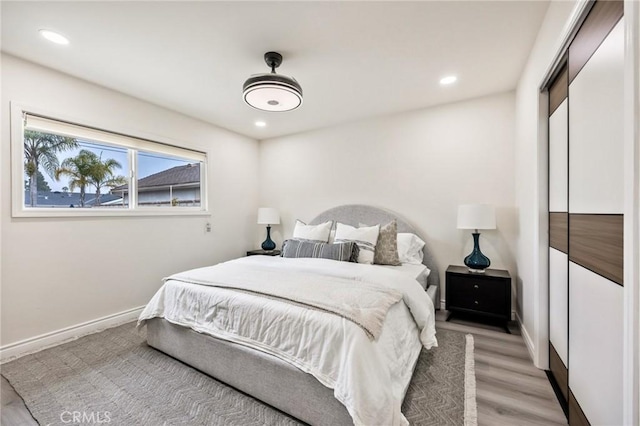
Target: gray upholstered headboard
(355, 214)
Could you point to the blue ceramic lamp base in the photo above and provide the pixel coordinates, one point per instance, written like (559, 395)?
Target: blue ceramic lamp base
(268, 244)
(476, 261)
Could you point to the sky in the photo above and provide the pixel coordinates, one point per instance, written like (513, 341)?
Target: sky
(148, 163)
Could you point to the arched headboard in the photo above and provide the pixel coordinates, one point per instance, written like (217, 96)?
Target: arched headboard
(355, 214)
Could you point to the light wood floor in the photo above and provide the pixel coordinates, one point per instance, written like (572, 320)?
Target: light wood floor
(510, 390)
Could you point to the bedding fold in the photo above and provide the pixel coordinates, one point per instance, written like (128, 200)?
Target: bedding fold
(364, 304)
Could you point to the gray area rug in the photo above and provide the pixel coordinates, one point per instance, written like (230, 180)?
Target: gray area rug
(113, 377)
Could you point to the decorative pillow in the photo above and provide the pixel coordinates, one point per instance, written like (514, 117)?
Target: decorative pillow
(315, 233)
(366, 239)
(387, 245)
(344, 252)
(410, 248)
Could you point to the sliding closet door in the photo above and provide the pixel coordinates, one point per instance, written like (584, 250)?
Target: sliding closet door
(596, 68)
(559, 232)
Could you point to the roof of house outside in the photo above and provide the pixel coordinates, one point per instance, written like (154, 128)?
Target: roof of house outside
(61, 199)
(178, 175)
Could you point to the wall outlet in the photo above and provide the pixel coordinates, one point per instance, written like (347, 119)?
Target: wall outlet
(207, 227)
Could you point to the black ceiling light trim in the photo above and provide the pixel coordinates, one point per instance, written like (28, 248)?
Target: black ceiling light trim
(271, 91)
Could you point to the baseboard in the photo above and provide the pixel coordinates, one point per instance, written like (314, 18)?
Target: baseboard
(527, 338)
(35, 344)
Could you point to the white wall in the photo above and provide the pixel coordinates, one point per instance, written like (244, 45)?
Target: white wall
(530, 176)
(631, 359)
(420, 164)
(60, 272)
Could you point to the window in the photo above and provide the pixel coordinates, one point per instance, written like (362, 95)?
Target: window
(68, 169)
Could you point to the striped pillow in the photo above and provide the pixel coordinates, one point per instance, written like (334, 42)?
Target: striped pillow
(365, 237)
(343, 252)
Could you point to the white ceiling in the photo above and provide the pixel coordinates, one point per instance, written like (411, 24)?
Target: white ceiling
(353, 59)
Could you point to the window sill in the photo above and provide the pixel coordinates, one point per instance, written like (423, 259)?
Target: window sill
(80, 212)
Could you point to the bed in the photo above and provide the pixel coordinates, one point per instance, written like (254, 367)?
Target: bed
(273, 376)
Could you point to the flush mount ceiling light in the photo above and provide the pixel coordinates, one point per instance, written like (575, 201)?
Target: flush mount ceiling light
(272, 92)
(54, 37)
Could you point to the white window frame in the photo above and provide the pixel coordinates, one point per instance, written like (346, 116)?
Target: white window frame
(58, 124)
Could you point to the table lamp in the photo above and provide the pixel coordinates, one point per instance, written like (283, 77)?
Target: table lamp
(476, 216)
(268, 216)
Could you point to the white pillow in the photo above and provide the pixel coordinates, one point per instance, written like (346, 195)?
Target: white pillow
(318, 233)
(410, 248)
(366, 238)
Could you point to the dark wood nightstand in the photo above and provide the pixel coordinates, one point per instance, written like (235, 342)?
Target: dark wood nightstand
(263, 252)
(487, 294)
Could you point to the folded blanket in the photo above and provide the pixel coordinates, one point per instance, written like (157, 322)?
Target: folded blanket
(365, 304)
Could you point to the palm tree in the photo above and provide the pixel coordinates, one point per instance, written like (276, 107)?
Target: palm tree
(42, 184)
(103, 175)
(79, 169)
(40, 150)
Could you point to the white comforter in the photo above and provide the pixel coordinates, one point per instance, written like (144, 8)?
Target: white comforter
(368, 376)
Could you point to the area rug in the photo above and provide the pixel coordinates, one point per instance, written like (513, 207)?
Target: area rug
(111, 378)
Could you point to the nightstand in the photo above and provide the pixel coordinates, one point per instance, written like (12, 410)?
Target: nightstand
(263, 252)
(487, 294)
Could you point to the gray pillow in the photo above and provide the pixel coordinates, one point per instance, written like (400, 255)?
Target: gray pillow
(387, 245)
(344, 252)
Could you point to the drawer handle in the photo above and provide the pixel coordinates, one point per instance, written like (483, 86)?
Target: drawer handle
(475, 286)
(476, 302)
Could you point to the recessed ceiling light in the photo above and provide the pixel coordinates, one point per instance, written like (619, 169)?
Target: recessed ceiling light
(260, 124)
(54, 37)
(448, 80)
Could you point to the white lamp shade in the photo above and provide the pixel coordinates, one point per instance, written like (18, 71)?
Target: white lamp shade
(268, 216)
(476, 216)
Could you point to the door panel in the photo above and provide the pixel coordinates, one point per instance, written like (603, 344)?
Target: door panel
(596, 130)
(558, 158)
(595, 345)
(559, 303)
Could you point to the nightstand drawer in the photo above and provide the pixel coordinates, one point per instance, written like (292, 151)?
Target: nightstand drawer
(477, 295)
(487, 294)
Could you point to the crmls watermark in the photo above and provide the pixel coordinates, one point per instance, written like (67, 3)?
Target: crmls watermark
(84, 417)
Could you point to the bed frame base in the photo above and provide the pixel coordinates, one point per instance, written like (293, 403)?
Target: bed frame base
(260, 375)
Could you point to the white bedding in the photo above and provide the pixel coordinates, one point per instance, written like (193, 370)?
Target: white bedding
(361, 302)
(419, 272)
(368, 377)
